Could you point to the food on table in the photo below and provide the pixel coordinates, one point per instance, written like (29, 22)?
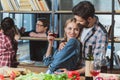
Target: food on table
(1, 77)
(42, 76)
(71, 75)
(7, 71)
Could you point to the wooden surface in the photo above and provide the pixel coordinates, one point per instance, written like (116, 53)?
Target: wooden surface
(38, 69)
(81, 78)
(34, 67)
(114, 71)
(33, 38)
(117, 39)
(108, 76)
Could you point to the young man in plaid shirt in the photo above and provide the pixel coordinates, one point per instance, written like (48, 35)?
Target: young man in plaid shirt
(93, 32)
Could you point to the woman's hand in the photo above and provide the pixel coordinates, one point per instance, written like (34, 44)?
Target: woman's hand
(50, 38)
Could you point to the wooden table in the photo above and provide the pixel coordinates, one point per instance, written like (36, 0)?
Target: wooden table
(36, 67)
(40, 68)
(108, 76)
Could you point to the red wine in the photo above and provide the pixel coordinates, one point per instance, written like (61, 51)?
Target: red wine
(54, 34)
(94, 72)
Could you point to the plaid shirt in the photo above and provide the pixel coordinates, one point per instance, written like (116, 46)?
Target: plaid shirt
(98, 38)
(6, 51)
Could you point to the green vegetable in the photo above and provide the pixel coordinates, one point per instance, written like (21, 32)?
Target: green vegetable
(42, 76)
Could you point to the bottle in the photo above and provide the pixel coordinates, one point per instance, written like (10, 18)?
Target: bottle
(104, 61)
(88, 62)
(104, 64)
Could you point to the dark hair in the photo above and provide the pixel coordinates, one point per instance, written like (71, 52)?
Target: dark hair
(45, 22)
(8, 27)
(84, 9)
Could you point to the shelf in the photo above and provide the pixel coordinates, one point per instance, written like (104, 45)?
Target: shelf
(56, 12)
(56, 39)
(103, 12)
(63, 12)
(27, 12)
(42, 39)
(117, 12)
(70, 12)
(116, 40)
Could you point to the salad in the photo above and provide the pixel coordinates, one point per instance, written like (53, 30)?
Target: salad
(71, 75)
(42, 76)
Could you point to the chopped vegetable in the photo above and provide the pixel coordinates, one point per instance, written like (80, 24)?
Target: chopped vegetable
(42, 76)
(1, 77)
(73, 75)
(12, 75)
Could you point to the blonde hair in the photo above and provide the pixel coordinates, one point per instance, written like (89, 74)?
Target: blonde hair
(69, 21)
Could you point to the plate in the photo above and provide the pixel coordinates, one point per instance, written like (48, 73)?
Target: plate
(107, 76)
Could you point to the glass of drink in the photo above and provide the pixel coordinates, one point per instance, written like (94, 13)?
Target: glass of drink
(95, 67)
(54, 31)
(53, 34)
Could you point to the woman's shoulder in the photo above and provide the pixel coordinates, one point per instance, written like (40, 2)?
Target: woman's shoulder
(73, 41)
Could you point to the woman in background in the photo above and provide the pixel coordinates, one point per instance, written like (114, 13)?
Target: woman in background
(68, 57)
(8, 43)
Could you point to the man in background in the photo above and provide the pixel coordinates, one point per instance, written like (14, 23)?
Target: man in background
(37, 48)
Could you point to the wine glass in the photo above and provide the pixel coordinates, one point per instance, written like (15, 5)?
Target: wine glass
(54, 31)
(95, 67)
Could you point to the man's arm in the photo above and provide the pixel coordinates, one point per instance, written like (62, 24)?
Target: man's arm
(101, 44)
(63, 70)
(33, 34)
(81, 70)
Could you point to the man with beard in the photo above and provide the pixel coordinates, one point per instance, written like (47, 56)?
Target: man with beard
(93, 32)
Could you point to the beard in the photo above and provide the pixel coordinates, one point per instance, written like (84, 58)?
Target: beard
(85, 25)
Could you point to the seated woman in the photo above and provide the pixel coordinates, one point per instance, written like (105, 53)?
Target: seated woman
(8, 43)
(68, 57)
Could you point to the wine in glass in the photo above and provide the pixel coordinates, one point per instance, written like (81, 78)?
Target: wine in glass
(95, 67)
(54, 32)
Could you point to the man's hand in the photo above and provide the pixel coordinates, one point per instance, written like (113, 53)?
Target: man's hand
(22, 30)
(62, 45)
(63, 70)
(32, 34)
